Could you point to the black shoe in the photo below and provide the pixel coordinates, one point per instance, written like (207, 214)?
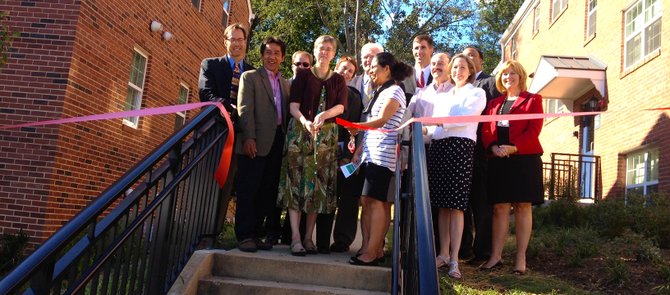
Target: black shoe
(262, 245)
(477, 260)
(323, 250)
(355, 261)
(247, 245)
(338, 248)
(498, 264)
(272, 240)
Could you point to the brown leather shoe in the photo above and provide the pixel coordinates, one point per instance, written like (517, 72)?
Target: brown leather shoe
(247, 245)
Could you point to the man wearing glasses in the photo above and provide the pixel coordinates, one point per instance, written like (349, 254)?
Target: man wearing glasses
(300, 60)
(219, 81)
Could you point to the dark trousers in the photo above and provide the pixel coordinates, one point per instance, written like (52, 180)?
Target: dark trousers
(346, 220)
(478, 217)
(257, 186)
(225, 194)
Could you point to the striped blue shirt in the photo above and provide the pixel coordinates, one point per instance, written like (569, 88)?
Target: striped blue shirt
(378, 147)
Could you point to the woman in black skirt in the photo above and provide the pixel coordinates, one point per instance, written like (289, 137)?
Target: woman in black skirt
(450, 157)
(515, 164)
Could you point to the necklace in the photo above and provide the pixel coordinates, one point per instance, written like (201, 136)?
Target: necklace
(317, 74)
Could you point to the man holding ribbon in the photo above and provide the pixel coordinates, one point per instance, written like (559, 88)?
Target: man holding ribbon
(219, 81)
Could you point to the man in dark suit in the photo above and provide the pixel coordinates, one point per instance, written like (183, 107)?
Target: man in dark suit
(480, 212)
(219, 80)
(262, 103)
(422, 50)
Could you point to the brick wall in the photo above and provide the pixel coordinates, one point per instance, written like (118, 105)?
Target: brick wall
(74, 59)
(624, 128)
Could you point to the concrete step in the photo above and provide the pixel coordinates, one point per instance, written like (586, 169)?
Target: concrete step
(223, 286)
(279, 265)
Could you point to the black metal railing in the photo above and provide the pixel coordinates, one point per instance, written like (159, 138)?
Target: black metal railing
(575, 176)
(413, 234)
(136, 236)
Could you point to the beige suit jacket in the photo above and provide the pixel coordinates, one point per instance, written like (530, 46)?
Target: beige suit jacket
(257, 110)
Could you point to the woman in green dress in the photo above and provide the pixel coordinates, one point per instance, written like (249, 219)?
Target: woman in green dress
(309, 168)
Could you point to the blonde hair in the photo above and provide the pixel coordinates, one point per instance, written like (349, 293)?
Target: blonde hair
(517, 68)
(326, 39)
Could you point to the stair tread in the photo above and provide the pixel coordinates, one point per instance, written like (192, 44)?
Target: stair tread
(330, 270)
(286, 286)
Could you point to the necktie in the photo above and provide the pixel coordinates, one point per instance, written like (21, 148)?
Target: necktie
(234, 85)
(369, 90)
(421, 82)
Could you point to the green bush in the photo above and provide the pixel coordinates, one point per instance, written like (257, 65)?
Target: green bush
(617, 272)
(11, 250)
(560, 213)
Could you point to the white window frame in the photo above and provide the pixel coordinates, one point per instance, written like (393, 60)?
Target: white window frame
(536, 18)
(592, 7)
(513, 48)
(643, 169)
(135, 120)
(226, 13)
(638, 27)
(555, 106)
(182, 86)
(562, 5)
(197, 6)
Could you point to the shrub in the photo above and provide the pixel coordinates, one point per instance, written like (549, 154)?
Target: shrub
(561, 213)
(617, 272)
(11, 250)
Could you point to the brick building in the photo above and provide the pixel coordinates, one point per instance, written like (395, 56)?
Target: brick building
(597, 55)
(76, 58)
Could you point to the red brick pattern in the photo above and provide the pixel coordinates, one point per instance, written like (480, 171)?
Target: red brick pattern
(624, 128)
(73, 59)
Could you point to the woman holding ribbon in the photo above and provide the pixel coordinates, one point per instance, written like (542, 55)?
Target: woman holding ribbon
(378, 153)
(450, 158)
(309, 169)
(515, 164)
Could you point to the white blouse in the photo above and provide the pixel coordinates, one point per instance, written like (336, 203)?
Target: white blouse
(465, 101)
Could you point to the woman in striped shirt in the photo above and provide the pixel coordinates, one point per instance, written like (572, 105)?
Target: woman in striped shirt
(378, 153)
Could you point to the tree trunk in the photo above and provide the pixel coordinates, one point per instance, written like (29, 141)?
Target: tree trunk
(356, 37)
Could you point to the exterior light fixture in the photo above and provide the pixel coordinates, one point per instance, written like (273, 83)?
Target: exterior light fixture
(156, 26)
(167, 36)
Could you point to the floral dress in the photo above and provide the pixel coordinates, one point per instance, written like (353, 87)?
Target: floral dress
(309, 167)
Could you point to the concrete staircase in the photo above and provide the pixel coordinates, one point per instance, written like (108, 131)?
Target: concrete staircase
(278, 272)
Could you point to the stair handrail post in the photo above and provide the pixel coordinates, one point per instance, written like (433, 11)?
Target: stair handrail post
(428, 281)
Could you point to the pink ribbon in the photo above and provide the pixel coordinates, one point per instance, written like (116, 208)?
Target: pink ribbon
(224, 164)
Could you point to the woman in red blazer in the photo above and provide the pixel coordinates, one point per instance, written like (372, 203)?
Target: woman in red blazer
(515, 164)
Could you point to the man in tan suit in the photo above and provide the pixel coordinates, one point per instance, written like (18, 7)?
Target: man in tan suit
(262, 103)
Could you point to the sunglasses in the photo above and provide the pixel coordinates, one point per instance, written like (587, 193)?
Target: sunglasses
(304, 64)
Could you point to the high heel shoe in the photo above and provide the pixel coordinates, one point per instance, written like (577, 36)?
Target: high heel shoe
(498, 264)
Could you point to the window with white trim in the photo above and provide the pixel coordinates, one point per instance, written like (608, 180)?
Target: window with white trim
(642, 31)
(180, 117)
(513, 48)
(226, 13)
(536, 18)
(555, 106)
(642, 172)
(591, 20)
(138, 73)
(557, 6)
(196, 4)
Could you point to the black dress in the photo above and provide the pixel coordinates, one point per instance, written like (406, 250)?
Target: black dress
(515, 179)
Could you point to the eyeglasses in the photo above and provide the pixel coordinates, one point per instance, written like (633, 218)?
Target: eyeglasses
(236, 40)
(303, 64)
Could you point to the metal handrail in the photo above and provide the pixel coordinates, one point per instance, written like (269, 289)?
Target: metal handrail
(173, 200)
(417, 246)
